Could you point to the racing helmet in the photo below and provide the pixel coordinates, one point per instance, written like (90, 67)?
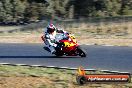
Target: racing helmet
(50, 28)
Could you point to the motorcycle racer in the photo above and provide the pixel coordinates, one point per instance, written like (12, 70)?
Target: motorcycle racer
(49, 37)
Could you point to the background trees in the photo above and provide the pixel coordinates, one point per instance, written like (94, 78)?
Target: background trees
(32, 10)
(126, 7)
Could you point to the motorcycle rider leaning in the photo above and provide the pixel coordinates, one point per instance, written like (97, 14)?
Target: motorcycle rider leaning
(49, 37)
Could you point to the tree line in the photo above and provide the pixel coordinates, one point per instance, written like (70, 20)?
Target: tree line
(32, 10)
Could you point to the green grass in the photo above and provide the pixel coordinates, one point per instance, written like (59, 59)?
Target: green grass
(6, 70)
(61, 78)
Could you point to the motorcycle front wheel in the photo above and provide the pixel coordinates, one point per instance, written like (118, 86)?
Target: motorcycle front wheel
(81, 52)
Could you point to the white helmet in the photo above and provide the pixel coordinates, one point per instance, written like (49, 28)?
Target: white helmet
(50, 28)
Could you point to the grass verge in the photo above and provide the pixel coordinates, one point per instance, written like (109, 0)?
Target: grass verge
(40, 77)
(94, 33)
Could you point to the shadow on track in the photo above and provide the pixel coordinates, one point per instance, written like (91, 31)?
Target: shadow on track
(37, 57)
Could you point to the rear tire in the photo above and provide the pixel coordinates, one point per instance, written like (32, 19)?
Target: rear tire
(81, 52)
(58, 55)
(58, 52)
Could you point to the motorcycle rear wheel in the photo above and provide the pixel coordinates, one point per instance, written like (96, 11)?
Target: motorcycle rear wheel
(58, 54)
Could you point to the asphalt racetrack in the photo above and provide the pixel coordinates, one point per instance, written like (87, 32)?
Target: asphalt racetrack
(112, 58)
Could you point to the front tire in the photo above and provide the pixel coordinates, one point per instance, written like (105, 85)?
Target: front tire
(81, 52)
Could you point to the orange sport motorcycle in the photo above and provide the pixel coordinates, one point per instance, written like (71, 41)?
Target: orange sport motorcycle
(67, 45)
